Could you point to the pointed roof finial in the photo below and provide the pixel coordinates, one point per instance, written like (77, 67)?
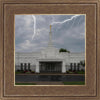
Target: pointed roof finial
(50, 28)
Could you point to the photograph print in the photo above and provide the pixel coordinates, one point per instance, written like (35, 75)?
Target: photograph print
(50, 49)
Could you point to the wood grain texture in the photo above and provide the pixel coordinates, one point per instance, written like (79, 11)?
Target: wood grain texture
(89, 89)
(87, 92)
(51, 1)
(1, 47)
(98, 52)
(50, 98)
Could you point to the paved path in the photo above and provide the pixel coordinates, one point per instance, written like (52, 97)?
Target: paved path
(49, 83)
(51, 74)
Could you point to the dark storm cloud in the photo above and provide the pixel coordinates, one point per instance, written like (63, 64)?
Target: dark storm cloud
(69, 35)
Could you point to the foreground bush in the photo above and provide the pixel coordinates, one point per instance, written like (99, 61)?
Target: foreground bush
(75, 72)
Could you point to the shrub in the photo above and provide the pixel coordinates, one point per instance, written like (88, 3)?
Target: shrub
(28, 72)
(25, 71)
(74, 70)
(67, 72)
(32, 72)
(82, 70)
(70, 70)
(18, 70)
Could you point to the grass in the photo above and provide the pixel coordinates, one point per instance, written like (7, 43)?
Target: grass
(18, 72)
(74, 83)
(25, 83)
(76, 72)
(81, 72)
(65, 83)
(23, 72)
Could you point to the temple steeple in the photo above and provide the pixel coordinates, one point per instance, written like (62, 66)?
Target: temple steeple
(50, 28)
(50, 38)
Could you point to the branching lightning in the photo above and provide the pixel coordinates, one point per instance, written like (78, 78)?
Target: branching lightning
(65, 20)
(34, 19)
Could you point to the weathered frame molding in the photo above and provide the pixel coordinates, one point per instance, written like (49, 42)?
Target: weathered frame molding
(2, 2)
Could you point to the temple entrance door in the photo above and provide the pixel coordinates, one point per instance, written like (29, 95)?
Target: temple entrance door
(50, 66)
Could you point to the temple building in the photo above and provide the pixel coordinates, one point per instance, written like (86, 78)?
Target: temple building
(49, 60)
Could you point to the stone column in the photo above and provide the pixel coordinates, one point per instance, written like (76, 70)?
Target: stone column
(63, 67)
(37, 69)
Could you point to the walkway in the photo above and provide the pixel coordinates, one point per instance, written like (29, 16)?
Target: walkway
(49, 83)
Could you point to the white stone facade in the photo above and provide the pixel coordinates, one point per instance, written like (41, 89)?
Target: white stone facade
(34, 58)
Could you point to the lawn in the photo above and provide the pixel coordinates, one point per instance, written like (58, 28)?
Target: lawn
(25, 83)
(74, 83)
(19, 72)
(65, 83)
(80, 72)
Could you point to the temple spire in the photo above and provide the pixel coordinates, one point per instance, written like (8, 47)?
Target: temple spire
(50, 28)
(50, 37)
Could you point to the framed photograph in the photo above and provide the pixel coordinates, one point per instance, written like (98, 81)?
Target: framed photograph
(41, 58)
(49, 50)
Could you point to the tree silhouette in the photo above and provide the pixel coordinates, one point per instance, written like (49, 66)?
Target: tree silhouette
(64, 50)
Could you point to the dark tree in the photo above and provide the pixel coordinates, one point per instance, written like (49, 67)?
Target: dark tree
(64, 50)
(82, 63)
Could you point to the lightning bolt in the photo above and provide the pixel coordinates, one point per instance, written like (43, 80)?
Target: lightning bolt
(34, 19)
(65, 20)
